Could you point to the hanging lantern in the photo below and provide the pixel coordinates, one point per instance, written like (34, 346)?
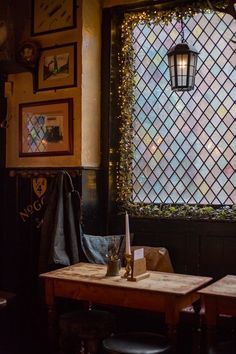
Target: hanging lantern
(182, 60)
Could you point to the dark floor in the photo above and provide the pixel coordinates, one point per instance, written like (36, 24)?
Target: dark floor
(23, 327)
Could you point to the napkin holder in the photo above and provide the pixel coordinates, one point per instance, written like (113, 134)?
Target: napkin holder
(138, 268)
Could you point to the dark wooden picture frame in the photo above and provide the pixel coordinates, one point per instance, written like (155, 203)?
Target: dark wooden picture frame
(57, 67)
(46, 128)
(52, 16)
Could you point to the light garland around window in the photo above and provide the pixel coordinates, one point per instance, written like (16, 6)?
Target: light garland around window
(126, 100)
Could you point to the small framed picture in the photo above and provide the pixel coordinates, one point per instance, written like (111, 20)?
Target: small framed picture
(45, 128)
(57, 67)
(28, 54)
(51, 16)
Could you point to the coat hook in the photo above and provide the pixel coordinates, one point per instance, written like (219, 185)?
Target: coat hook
(4, 124)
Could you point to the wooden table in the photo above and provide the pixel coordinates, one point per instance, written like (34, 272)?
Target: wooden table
(168, 293)
(218, 298)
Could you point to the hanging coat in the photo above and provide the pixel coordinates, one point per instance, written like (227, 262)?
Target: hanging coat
(60, 232)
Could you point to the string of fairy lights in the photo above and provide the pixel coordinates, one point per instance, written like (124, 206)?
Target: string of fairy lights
(126, 100)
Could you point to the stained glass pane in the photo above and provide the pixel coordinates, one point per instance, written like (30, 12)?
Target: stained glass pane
(185, 141)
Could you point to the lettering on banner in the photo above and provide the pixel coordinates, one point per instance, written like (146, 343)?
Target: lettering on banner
(31, 209)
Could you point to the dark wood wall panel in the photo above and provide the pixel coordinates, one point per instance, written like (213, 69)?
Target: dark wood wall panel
(9, 235)
(218, 255)
(175, 236)
(195, 247)
(93, 202)
(204, 247)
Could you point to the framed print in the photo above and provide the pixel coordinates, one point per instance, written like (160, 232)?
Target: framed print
(45, 128)
(57, 67)
(50, 16)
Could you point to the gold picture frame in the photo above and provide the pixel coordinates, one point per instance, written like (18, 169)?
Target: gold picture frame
(45, 128)
(57, 67)
(52, 16)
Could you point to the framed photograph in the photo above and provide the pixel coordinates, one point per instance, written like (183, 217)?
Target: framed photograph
(57, 67)
(51, 16)
(45, 128)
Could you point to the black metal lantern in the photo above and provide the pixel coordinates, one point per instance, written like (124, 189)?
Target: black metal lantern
(182, 60)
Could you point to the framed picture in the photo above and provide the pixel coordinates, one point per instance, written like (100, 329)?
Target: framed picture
(57, 67)
(51, 16)
(45, 128)
(28, 54)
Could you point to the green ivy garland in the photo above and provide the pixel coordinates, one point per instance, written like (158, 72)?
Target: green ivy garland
(126, 103)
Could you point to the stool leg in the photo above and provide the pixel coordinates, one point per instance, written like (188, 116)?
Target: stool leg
(82, 347)
(91, 346)
(197, 328)
(68, 345)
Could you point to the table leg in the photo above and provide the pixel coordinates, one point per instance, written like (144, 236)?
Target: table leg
(197, 333)
(52, 317)
(211, 321)
(52, 329)
(172, 332)
(172, 320)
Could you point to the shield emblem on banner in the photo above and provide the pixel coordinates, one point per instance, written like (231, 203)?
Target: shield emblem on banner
(39, 186)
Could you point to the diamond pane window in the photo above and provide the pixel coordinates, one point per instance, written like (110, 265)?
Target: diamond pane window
(184, 145)
(36, 133)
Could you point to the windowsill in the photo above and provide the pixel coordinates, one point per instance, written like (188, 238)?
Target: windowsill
(186, 219)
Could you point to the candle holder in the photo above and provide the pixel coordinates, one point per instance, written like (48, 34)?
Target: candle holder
(128, 266)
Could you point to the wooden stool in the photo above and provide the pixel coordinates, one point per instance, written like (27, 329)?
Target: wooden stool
(228, 347)
(137, 343)
(6, 298)
(82, 331)
(3, 302)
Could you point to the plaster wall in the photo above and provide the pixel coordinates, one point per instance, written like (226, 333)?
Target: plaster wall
(91, 82)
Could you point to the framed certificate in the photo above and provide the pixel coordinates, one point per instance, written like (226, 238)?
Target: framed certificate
(46, 128)
(51, 16)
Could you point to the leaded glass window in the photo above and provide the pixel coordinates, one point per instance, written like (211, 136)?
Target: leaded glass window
(184, 142)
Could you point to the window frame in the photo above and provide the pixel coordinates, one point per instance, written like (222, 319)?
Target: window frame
(118, 192)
